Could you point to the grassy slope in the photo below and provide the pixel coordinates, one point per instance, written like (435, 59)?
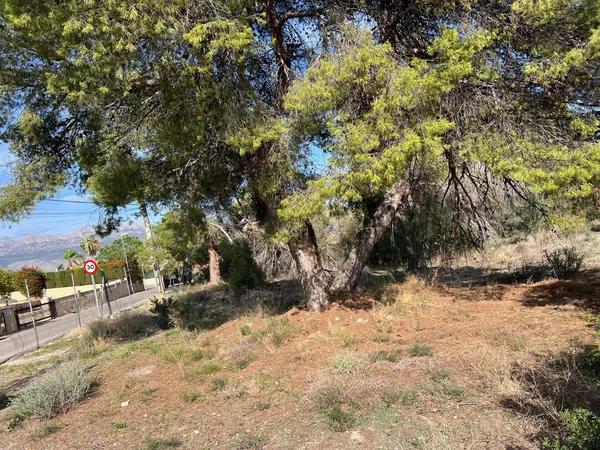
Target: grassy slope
(444, 367)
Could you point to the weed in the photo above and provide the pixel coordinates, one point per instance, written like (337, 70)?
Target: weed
(250, 441)
(191, 397)
(340, 419)
(54, 392)
(244, 361)
(440, 375)
(381, 337)
(119, 425)
(279, 329)
(218, 384)
(346, 364)
(420, 349)
(161, 443)
(209, 368)
(343, 336)
(246, 330)
(262, 405)
(47, 429)
(149, 394)
(391, 397)
(409, 398)
(384, 355)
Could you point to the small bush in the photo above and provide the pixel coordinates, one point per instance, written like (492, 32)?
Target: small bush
(208, 369)
(384, 355)
(409, 398)
(238, 266)
(47, 429)
(163, 309)
(244, 361)
(346, 364)
(191, 397)
(119, 425)
(54, 392)
(340, 419)
(565, 262)
(279, 328)
(343, 336)
(36, 281)
(245, 330)
(581, 431)
(420, 349)
(218, 384)
(161, 443)
(248, 441)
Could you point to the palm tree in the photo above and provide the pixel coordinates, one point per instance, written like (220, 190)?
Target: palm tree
(90, 245)
(72, 258)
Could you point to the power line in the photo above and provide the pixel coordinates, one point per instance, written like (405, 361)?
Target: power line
(57, 200)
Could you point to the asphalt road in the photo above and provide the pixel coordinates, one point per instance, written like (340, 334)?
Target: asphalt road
(24, 341)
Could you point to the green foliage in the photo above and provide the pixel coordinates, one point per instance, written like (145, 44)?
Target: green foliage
(278, 329)
(114, 251)
(163, 309)
(36, 281)
(340, 419)
(581, 431)
(151, 443)
(384, 355)
(7, 282)
(54, 392)
(238, 266)
(113, 270)
(565, 261)
(90, 246)
(420, 349)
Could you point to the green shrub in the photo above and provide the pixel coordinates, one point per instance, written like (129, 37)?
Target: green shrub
(191, 397)
(565, 262)
(238, 266)
(7, 282)
(384, 355)
(340, 419)
(346, 364)
(161, 443)
(581, 429)
(54, 392)
(420, 349)
(163, 309)
(36, 281)
(279, 328)
(244, 361)
(187, 311)
(218, 384)
(246, 330)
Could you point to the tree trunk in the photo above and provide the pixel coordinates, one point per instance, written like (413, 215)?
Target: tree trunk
(314, 278)
(349, 273)
(214, 265)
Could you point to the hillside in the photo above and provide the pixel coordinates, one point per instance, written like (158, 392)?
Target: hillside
(409, 365)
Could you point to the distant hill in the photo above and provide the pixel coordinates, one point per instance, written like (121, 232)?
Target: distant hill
(46, 251)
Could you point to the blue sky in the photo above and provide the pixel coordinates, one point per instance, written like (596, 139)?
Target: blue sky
(49, 217)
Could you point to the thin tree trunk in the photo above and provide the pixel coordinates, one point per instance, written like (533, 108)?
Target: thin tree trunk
(214, 264)
(315, 280)
(349, 273)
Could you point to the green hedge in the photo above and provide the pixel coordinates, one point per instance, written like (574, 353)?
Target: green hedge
(112, 269)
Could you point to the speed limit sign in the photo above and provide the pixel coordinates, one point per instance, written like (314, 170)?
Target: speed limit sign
(90, 266)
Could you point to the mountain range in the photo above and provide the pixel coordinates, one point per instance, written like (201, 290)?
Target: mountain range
(46, 251)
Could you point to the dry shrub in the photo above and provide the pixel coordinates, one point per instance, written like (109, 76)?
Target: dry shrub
(365, 394)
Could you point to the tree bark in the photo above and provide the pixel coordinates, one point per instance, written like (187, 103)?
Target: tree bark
(214, 264)
(314, 278)
(348, 275)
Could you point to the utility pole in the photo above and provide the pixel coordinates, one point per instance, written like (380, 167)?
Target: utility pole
(148, 231)
(127, 271)
(37, 337)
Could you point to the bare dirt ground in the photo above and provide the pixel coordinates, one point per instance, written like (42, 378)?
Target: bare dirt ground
(417, 366)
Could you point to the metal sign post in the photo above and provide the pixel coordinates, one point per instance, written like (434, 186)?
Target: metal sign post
(90, 266)
(37, 337)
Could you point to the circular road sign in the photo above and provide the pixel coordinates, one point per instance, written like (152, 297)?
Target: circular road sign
(90, 266)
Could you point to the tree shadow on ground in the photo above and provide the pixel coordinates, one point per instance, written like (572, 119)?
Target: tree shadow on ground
(579, 293)
(208, 307)
(555, 383)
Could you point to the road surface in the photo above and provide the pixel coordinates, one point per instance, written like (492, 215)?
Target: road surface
(24, 341)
